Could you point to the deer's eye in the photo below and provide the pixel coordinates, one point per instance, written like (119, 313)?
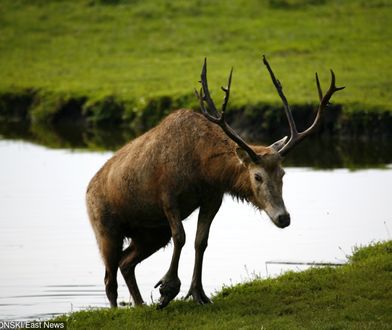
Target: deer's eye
(258, 177)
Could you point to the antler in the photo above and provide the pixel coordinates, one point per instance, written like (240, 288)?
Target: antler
(295, 136)
(219, 118)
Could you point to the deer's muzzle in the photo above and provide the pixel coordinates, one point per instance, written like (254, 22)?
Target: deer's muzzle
(283, 220)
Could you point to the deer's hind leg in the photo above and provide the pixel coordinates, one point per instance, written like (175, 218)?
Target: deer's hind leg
(110, 248)
(109, 241)
(145, 242)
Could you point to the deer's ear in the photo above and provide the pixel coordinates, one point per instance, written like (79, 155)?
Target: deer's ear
(243, 156)
(278, 144)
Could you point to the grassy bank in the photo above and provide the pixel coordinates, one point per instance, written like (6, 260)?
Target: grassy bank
(354, 296)
(119, 61)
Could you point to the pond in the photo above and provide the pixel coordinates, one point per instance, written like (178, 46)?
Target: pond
(50, 262)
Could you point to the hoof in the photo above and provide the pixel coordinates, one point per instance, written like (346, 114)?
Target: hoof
(169, 288)
(198, 296)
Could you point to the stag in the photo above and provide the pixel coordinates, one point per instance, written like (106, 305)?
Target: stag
(189, 161)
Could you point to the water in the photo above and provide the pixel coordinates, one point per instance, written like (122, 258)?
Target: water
(50, 262)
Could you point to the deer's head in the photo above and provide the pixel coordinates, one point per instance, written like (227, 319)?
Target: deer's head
(264, 163)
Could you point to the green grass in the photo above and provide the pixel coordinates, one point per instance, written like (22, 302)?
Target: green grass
(355, 296)
(138, 51)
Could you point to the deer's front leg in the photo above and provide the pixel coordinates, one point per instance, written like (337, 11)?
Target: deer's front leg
(207, 213)
(170, 284)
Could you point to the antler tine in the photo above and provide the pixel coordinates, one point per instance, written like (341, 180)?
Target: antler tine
(227, 93)
(324, 101)
(319, 90)
(296, 137)
(219, 119)
(203, 108)
(287, 110)
(207, 96)
(332, 89)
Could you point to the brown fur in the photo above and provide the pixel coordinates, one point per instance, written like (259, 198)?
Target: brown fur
(155, 181)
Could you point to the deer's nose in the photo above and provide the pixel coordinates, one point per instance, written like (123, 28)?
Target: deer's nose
(284, 220)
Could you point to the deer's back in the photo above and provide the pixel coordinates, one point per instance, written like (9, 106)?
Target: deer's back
(168, 162)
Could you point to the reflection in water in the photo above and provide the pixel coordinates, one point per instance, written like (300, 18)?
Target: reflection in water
(312, 152)
(50, 261)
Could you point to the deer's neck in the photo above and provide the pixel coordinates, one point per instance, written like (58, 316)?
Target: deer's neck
(235, 178)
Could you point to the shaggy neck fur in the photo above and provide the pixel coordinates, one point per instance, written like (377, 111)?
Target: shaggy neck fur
(235, 178)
